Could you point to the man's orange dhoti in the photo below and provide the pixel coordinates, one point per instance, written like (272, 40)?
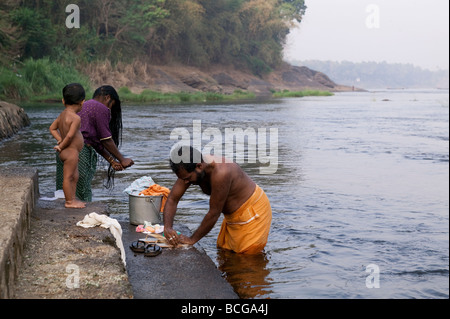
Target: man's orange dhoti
(247, 229)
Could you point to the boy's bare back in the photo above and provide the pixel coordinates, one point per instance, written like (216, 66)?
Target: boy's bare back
(66, 130)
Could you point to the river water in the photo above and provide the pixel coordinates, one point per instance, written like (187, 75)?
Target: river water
(360, 192)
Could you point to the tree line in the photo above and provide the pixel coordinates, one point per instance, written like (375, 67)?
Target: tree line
(244, 33)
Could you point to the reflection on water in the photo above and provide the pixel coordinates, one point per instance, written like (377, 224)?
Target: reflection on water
(247, 274)
(360, 181)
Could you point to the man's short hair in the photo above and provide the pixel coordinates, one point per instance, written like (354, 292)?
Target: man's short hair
(73, 94)
(184, 156)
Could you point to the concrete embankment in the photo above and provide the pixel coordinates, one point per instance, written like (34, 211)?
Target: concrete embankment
(182, 273)
(64, 261)
(45, 255)
(19, 193)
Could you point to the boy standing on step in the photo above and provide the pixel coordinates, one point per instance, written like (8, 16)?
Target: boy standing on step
(66, 130)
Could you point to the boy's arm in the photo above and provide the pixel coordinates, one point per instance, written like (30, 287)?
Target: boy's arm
(54, 130)
(74, 127)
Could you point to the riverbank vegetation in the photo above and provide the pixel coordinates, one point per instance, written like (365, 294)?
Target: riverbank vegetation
(148, 96)
(42, 80)
(244, 33)
(40, 54)
(287, 93)
(39, 79)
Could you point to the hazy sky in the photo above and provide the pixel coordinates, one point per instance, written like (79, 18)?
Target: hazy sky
(395, 31)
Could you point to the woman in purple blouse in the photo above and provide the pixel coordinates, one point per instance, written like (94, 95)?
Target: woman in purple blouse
(101, 126)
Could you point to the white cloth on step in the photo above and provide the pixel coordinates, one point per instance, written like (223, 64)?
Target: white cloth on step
(94, 219)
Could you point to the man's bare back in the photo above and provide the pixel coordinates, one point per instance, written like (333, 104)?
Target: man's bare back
(241, 186)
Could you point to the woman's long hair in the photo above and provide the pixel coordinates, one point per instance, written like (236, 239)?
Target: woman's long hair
(115, 124)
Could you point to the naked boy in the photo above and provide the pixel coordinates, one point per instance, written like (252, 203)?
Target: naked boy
(66, 130)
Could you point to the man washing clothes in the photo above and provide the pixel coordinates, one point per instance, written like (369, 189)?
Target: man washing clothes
(246, 208)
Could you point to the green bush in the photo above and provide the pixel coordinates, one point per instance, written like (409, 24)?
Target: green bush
(13, 85)
(287, 93)
(148, 96)
(46, 77)
(39, 78)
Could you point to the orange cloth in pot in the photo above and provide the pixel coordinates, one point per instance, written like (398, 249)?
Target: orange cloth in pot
(247, 229)
(157, 190)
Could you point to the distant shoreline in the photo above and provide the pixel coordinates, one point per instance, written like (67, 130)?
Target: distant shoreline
(152, 97)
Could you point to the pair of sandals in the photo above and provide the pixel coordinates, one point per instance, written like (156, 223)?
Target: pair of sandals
(149, 250)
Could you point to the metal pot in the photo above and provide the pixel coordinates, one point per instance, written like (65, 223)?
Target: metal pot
(145, 208)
